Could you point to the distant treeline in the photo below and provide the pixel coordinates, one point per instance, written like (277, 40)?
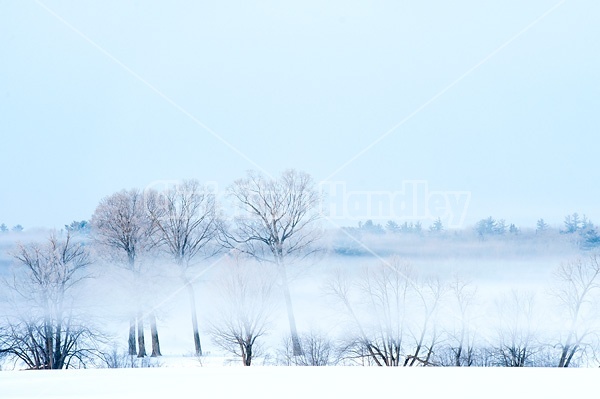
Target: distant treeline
(575, 226)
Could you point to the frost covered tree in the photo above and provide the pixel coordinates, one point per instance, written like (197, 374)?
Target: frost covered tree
(276, 223)
(516, 344)
(121, 227)
(44, 330)
(577, 290)
(318, 350)
(187, 223)
(244, 308)
(460, 348)
(393, 313)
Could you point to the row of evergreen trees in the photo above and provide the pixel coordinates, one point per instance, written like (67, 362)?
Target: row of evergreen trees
(574, 224)
(16, 228)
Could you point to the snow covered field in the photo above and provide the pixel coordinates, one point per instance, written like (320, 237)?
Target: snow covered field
(299, 382)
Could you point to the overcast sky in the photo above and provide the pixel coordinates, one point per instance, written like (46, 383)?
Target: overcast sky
(500, 99)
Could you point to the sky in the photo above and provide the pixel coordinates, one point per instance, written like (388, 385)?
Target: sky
(402, 109)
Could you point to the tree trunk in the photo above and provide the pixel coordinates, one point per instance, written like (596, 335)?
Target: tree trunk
(132, 321)
(570, 357)
(140, 335)
(58, 360)
(49, 344)
(564, 358)
(192, 296)
(154, 333)
(460, 347)
(132, 348)
(296, 347)
(248, 359)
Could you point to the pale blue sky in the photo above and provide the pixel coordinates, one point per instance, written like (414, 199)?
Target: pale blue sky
(303, 84)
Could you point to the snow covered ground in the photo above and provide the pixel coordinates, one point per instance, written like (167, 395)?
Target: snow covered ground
(299, 382)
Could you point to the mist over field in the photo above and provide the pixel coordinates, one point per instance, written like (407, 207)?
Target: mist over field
(366, 295)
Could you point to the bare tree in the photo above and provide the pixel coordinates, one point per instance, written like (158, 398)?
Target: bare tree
(45, 331)
(578, 282)
(461, 336)
(384, 290)
(244, 307)
(276, 224)
(187, 222)
(121, 225)
(516, 344)
(429, 295)
(393, 313)
(318, 348)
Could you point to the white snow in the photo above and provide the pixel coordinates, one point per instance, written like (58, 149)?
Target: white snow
(298, 382)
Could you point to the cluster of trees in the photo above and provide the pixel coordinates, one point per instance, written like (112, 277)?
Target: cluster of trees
(485, 227)
(584, 228)
(490, 227)
(396, 318)
(394, 227)
(401, 319)
(274, 225)
(16, 228)
(393, 316)
(586, 233)
(45, 329)
(574, 224)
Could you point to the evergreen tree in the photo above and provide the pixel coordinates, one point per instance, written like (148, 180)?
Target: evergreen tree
(437, 226)
(392, 227)
(541, 226)
(17, 229)
(571, 223)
